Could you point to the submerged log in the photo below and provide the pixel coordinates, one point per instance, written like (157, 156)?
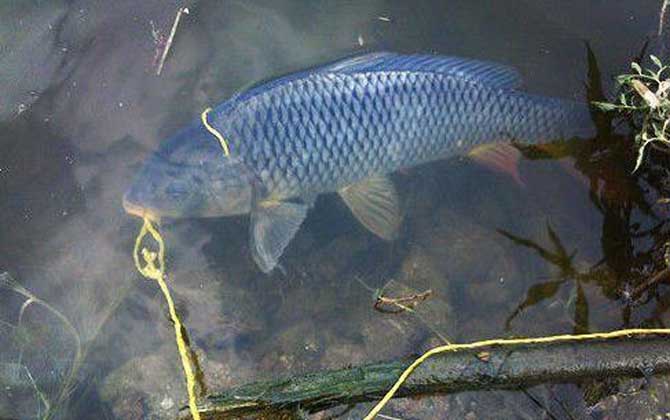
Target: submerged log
(481, 369)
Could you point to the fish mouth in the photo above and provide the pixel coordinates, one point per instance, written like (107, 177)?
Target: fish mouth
(140, 211)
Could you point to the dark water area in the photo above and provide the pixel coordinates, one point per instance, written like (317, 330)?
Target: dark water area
(558, 251)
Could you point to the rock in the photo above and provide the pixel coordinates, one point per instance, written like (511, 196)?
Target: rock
(298, 348)
(155, 382)
(150, 380)
(30, 56)
(636, 399)
(215, 312)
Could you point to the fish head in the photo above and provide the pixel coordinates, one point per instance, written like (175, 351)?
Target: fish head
(189, 176)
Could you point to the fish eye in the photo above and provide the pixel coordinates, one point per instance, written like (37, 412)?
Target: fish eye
(176, 191)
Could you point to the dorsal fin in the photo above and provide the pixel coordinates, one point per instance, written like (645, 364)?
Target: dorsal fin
(263, 85)
(477, 71)
(485, 72)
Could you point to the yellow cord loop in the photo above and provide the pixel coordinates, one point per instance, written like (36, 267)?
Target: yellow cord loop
(215, 132)
(508, 342)
(154, 268)
(149, 269)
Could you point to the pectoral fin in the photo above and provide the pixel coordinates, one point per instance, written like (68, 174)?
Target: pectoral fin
(273, 225)
(375, 204)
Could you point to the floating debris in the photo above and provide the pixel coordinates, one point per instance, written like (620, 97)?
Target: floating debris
(402, 303)
(484, 356)
(168, 43)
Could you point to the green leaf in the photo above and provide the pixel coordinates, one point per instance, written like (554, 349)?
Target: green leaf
(640, 156)
(623, 79)
(636, 67)
(622, 98)
(656, 60)
(605, 106)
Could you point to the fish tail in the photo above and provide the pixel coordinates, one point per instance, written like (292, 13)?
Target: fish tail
(542, 119)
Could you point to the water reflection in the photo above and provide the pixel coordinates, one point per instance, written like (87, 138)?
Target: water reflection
(634, 240)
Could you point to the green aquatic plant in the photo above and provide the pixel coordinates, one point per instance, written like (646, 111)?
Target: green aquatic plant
(643, 98)
(43, 348)
(28, 338)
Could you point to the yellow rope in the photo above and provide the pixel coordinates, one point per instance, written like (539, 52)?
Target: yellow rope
(506, 342)
(157, 273)
(215, 133)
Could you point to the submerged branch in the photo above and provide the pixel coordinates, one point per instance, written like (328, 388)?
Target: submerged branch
(447, 372)
(658, 278)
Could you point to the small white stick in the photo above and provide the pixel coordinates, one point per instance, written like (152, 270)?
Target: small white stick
(168, 44)
(661, 17)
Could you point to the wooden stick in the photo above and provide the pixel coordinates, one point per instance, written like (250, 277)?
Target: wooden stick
(502, 368)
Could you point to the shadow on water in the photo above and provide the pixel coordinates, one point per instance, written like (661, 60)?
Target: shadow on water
(633, 251)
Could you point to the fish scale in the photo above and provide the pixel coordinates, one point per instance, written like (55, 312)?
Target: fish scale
(345, 136)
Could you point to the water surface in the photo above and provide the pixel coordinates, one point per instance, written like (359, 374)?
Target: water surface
(79, 114)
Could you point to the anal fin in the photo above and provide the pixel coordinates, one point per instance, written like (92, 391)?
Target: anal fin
(499, 157)
(374, 202)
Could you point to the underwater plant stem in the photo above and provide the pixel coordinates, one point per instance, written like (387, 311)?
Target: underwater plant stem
(659, 277)
(509, 364)
(7, 281)
(662, 17)
(76, 359)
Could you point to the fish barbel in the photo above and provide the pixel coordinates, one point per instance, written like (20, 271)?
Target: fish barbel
(343, 128)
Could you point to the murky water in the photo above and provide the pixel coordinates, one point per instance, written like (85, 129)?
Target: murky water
(81, 106)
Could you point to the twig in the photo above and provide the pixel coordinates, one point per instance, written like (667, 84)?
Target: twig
(660, 276)
(403, 303)
(384, 416)
(661, 17)
(661, 32)
(168, 44)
